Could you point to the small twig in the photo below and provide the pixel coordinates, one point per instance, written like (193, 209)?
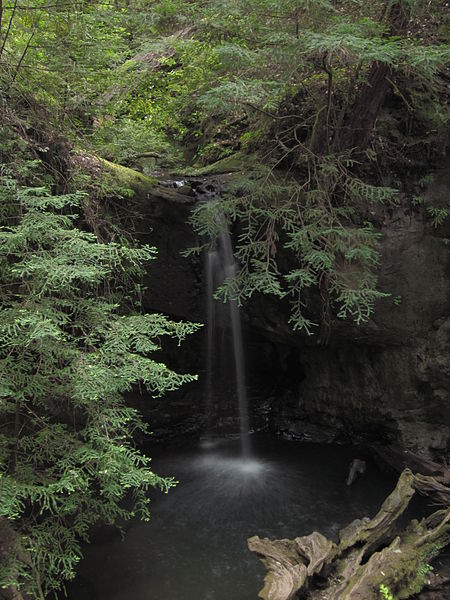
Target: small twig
(329, 72)
(267, 113)
(19, 64)
(11, 18)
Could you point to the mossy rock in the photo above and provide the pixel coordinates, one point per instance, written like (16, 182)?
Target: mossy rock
(230, 164)
(110, 178)
(124, 177)
(145, 187)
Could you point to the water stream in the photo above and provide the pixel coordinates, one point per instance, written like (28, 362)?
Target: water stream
(210, 270)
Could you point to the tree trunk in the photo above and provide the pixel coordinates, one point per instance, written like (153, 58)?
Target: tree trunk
(357, 132)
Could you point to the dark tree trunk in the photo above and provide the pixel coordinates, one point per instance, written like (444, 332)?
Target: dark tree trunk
(365, 112)
(372, 94)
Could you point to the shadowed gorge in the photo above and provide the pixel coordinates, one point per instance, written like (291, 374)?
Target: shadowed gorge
(224, 300)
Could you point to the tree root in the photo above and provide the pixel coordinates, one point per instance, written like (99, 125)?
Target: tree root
(370, 552)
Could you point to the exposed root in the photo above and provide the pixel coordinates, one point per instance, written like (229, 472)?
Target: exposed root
(369, 554)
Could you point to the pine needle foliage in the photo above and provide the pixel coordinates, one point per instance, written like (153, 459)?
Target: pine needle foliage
(72, 342)
(294, 237)
(309, 81)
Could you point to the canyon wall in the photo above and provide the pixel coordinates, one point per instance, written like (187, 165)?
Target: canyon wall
(387, 380)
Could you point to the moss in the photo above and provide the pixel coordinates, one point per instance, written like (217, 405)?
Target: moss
(104, 179)
(230, 164)
(142, 186)
(124, 177)
(402, 567)
(418, 570)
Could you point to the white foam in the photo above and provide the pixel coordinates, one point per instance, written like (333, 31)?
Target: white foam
(230, 466)
(209, 444)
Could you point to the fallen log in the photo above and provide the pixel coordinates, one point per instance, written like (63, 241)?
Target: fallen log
(432, 487)
(370, 553)
(396, 460)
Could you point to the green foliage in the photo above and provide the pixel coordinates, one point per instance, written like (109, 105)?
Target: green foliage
(294, 238)
(437, 214)
(385, 593)
(425, 569)
(149, 108)
(61, 55)
(175, 82)
(422, 575)
(157, 78)
(124, 139)
(72, 342)
(181, 82)
(303, 218)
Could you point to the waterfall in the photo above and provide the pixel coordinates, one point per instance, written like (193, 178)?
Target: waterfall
(220, 264)
(210, 269)
(230, 271)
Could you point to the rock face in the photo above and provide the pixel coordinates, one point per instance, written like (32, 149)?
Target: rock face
(172, 286)
(387, 380)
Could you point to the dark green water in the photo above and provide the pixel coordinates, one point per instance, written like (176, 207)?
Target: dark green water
(195, 546)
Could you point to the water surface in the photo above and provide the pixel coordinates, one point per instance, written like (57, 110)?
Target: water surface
(195, 547)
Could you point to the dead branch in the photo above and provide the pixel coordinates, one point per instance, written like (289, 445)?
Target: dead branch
(370, 551)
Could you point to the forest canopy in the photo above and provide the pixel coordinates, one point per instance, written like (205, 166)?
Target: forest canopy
(322, 106)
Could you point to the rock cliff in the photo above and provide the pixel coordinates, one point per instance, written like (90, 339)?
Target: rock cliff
(387, 380)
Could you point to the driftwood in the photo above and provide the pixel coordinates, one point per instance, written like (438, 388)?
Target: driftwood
(291, 562)
(357, 468)
(370, 552)
(430, 486)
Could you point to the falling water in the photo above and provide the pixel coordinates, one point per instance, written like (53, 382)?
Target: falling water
(210, 269)
(230, 271)
(220, 265)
